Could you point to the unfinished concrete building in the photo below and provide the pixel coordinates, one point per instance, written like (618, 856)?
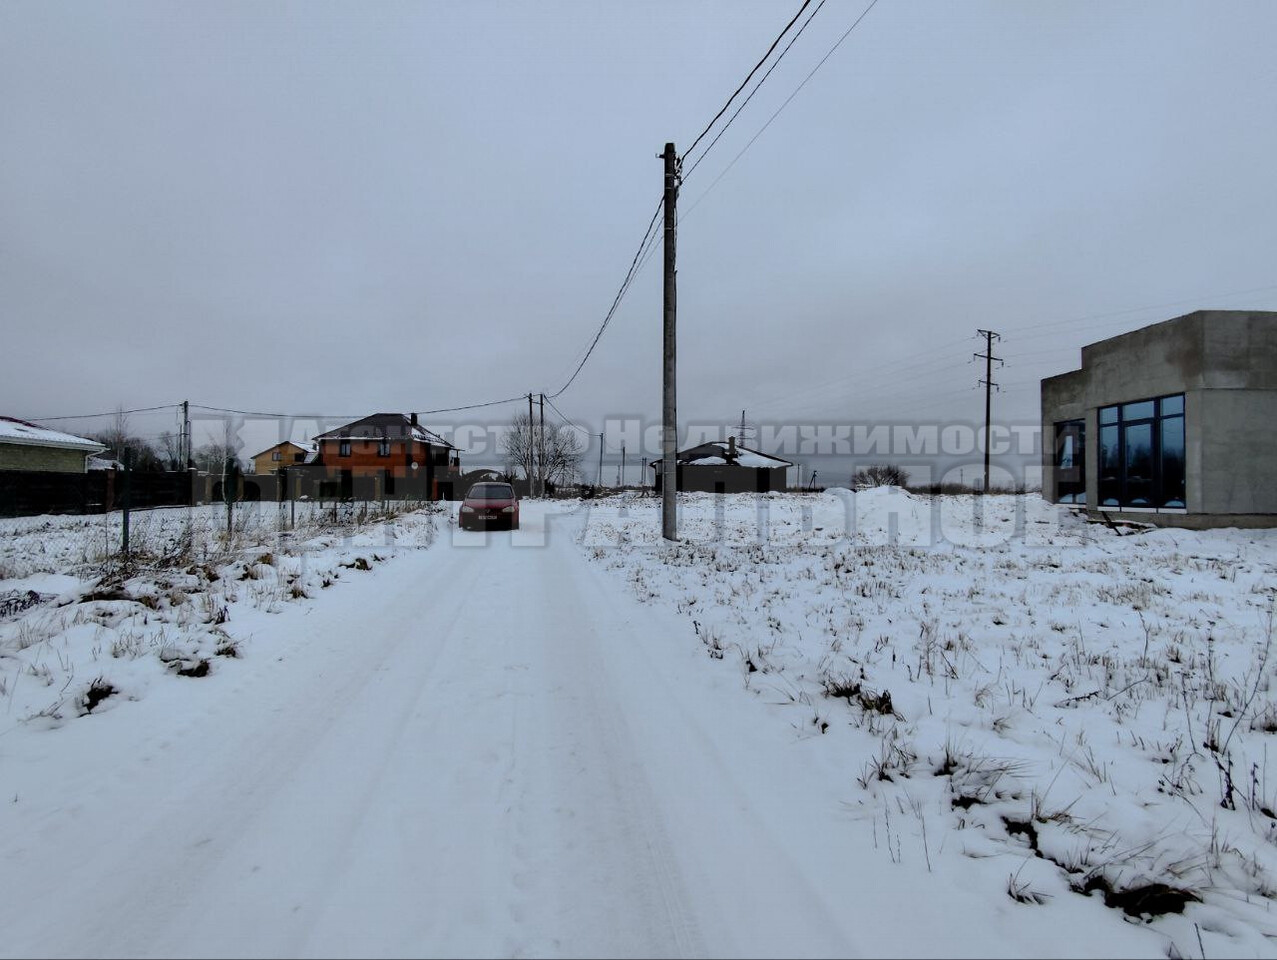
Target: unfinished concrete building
(1171, 424)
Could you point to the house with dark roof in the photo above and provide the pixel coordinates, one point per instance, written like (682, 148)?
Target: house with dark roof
(725, 467)
(28, 446)
(388, 456)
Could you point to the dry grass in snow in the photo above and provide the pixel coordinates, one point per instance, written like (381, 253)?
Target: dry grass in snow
(83, 629)
(1092, 708)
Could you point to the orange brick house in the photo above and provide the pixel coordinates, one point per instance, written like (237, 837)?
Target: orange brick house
(388, 455)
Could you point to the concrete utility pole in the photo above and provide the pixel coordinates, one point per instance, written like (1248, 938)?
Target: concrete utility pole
(988, 358)
(622, 466)
(669, 447)
(541, 449)
(600, 460)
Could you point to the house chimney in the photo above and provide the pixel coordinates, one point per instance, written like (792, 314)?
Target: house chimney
(731, 448)
(412, 418)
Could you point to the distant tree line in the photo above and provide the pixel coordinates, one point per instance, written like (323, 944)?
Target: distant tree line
(164, 453)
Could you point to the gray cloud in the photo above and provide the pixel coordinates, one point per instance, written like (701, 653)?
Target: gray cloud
(350, 207)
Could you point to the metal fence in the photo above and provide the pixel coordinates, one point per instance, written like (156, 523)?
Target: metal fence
(119, 542)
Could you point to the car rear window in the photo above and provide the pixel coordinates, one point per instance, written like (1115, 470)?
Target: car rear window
(492, 491)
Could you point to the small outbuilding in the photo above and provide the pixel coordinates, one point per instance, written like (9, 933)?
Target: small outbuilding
(28, 446)
(725, 467)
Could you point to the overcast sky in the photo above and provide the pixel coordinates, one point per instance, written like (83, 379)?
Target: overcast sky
(342, 208)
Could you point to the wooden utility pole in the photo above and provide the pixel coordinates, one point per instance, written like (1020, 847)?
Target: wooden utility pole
(988, 357)
(531, 446)
(541, 449)
(622, 466)
(188, 468)
(669, 446)
(185, 445)
(600, 460)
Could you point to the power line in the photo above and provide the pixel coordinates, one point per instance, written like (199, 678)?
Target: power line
(346, 416)
(470, 406)
(839, 43)
(648, 244)
(744, 82)
(757, 87)
(278, 416)
(571, 423)
(616, 302)
(111, 413)
(1155, 306)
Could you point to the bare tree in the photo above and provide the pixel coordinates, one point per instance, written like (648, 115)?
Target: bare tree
(121, 445)
(116, 436)
(880, 475)
(211, 457)
(169, 447)
(558, 461)
(563, 452)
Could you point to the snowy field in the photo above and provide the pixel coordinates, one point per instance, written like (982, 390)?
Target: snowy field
(1076, 710)
(836, 724)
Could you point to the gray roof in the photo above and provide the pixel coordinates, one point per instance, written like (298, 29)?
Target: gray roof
(389, 425)
(722, 453)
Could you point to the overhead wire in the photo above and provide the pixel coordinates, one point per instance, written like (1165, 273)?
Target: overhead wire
(108, 413)
(786, 103)
(745, 82)
(775, 63)
(616, 301)
(647, 246)
(567, 420)
(346, 416)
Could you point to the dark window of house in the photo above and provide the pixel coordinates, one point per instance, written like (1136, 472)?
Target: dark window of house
(343, 448)
(1137, 444)
(1070, 461)
(1172, 457)
(299, 458)
(383, 447)
(1142, 453)
(1110, 480)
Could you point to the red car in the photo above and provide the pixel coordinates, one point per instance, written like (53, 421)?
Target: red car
(490, 504)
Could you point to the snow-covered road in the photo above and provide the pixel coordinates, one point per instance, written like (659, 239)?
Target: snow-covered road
(481, 749)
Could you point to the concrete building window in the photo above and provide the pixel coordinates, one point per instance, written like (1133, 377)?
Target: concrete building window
(343, 448)
(1070, 461)
(1142, 454)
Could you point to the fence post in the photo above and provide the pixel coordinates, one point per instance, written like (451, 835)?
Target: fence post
(281, 492)
(230, 484)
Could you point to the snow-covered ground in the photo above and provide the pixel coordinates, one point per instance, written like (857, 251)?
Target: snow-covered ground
(1071, 708)
(830, 725)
